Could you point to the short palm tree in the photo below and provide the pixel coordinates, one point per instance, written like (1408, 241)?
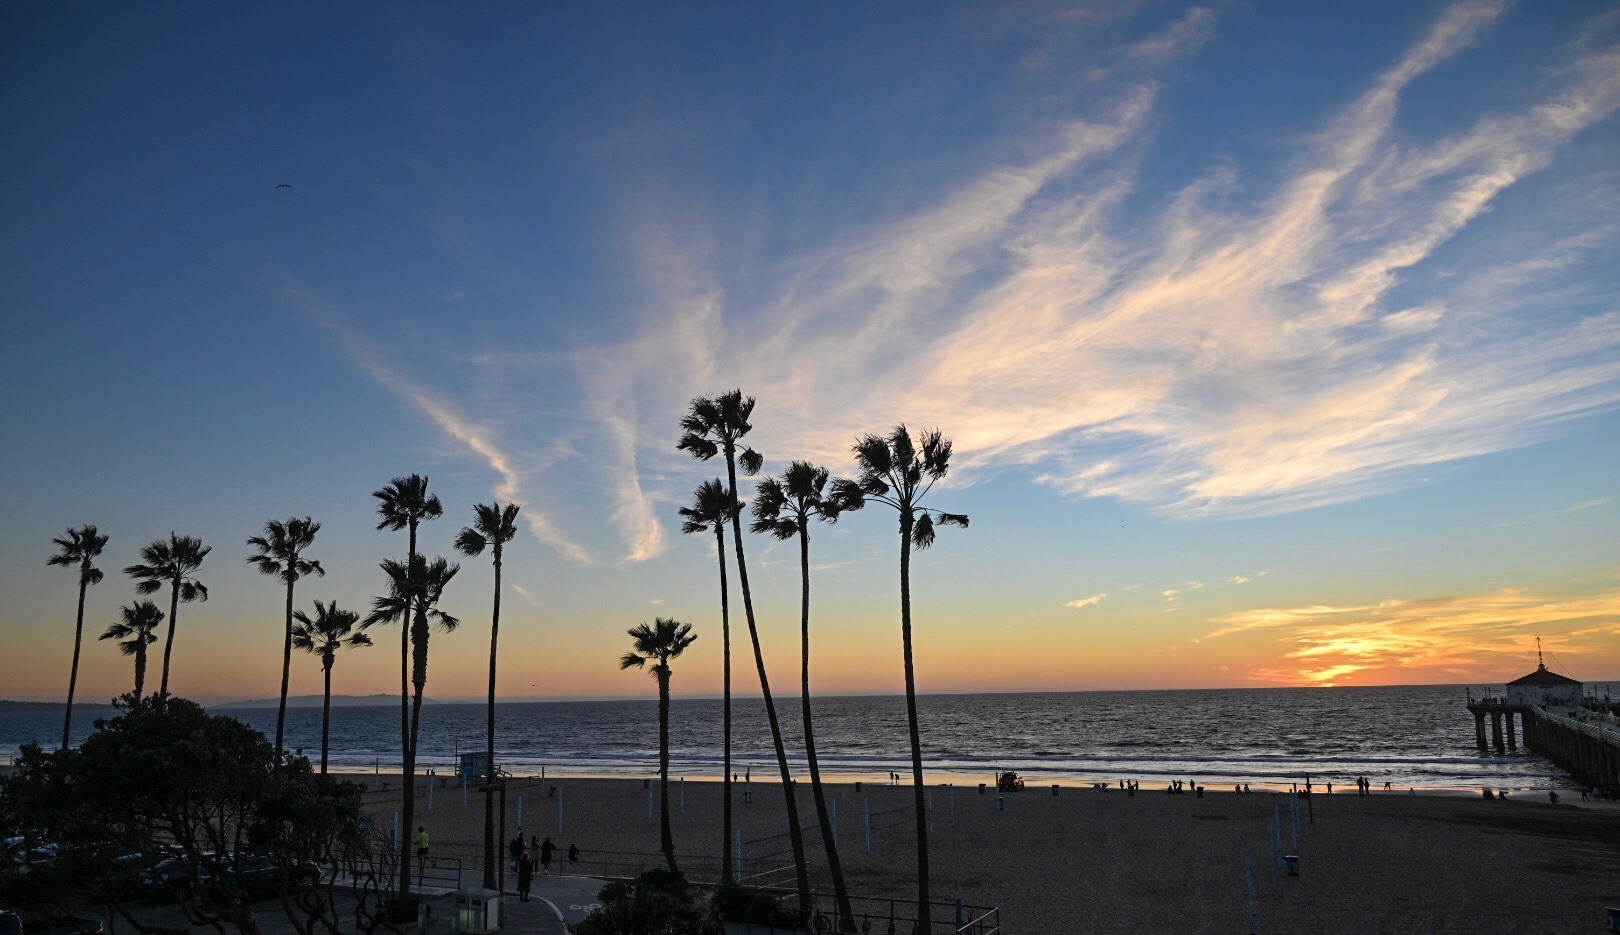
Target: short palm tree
(493, 526)
(712, 508)
(899, 472)
(135, 630)
(279, 552)
(406, 504)
(414, 590)
(711, 426)
(658, 644)
(78, 547)
(173, 563)
(330, 629)
(784, 507)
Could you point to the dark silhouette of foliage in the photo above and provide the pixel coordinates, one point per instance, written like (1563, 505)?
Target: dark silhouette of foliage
(656, 645)
(173, 563)
(279, 552)
(324, 634)
(783, 507)
(135, 633)
(898, 472)
(714, 426)
(78, 547)
(493, 526)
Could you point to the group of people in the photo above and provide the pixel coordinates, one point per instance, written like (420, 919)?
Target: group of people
(525, 857)
(1364, 786)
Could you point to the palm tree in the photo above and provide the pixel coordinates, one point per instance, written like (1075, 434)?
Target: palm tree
(658, 644)
(784, 507)
(414, 590)
(280, 553)
(406, 504)
(78, 547)
(140, 619)
(712, 507)
(895, 472)
(713, 426)
(332, 627)
(493, 527)
(173, 563)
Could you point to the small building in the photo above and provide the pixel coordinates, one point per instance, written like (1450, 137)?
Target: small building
(1542, 689)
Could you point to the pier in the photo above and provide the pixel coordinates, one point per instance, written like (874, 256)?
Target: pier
(1578, 732)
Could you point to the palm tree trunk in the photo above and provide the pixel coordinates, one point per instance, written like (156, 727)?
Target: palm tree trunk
(140, 671)
(919, 803)
(490, 853)
(286, 669)
(405, 658)
(666, 837)
(727, 871)
(168, 644)
(829, 843)
(795, 835)
(326, 709)
(419, 634)
(73, 676)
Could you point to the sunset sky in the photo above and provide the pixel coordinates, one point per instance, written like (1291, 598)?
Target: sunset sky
(1280, 342)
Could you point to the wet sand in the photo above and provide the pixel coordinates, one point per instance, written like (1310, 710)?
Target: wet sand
(1108, 862)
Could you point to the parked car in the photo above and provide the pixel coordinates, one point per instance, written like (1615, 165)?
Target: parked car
(259, 873)
(39, 923)
(173, 877)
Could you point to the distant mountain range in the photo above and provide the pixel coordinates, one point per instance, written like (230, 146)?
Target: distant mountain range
(41, 707)
(314, 701)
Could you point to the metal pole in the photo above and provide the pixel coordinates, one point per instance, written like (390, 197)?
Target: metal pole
(683, 795)
(559, 811)
(520, 811)
(1248, 886)
(868, 805)
(499, 862)
(953, 803)
(835, 822)
(738, 847)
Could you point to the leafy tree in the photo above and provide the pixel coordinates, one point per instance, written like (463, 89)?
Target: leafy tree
(493, 526)
(135, 630)
(898, 472)
(666, 639)
(406, 504)
(712, 508)
(711, 426)
(414, 591)
(784, 507)
(330, 629)
(173, 563)
(280, 553)
(658, 901)
(78, 547)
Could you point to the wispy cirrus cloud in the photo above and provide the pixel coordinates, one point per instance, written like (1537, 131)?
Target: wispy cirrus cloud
(1086, 601)
(1428, 639)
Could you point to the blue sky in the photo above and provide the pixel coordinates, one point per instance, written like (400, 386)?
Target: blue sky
(1278, 341)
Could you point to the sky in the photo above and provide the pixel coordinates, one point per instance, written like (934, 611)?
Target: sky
(1279, 343)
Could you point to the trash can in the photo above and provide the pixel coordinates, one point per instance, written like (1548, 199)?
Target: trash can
(477, 911)
(1292, 860)
(1614, 918)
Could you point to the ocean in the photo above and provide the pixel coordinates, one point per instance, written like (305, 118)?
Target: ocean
(1410, 736)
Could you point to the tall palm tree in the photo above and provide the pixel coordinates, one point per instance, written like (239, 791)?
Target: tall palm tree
(406, 504)
(173, 563)
(280, 553)
(140, 619)
(414, 590)
(899, 472)
(711, 426)
(658, 644)
(784, 507)
(712, 508)
(78, 547)
(331, 628)
(493, 526)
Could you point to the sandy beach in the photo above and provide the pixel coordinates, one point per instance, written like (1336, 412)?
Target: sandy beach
(1108, 862)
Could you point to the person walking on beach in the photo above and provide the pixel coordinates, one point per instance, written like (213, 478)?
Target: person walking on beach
(421, 843)
(516, 848)
(525, 872)
(573, 853)
(546, 849)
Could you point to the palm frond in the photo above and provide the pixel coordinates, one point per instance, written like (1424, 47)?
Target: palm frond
(751, 461)
(922, 531)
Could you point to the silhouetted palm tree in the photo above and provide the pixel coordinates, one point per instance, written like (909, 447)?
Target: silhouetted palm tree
(713, 426)
(172, 563)
(414, 590)
(332, 627)
(406, 504)
(78, 547)
(658, 644)
(712, 508)
(784, 508)
(493, 526)
(280, 553)
(895, 472)
(140, 619)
